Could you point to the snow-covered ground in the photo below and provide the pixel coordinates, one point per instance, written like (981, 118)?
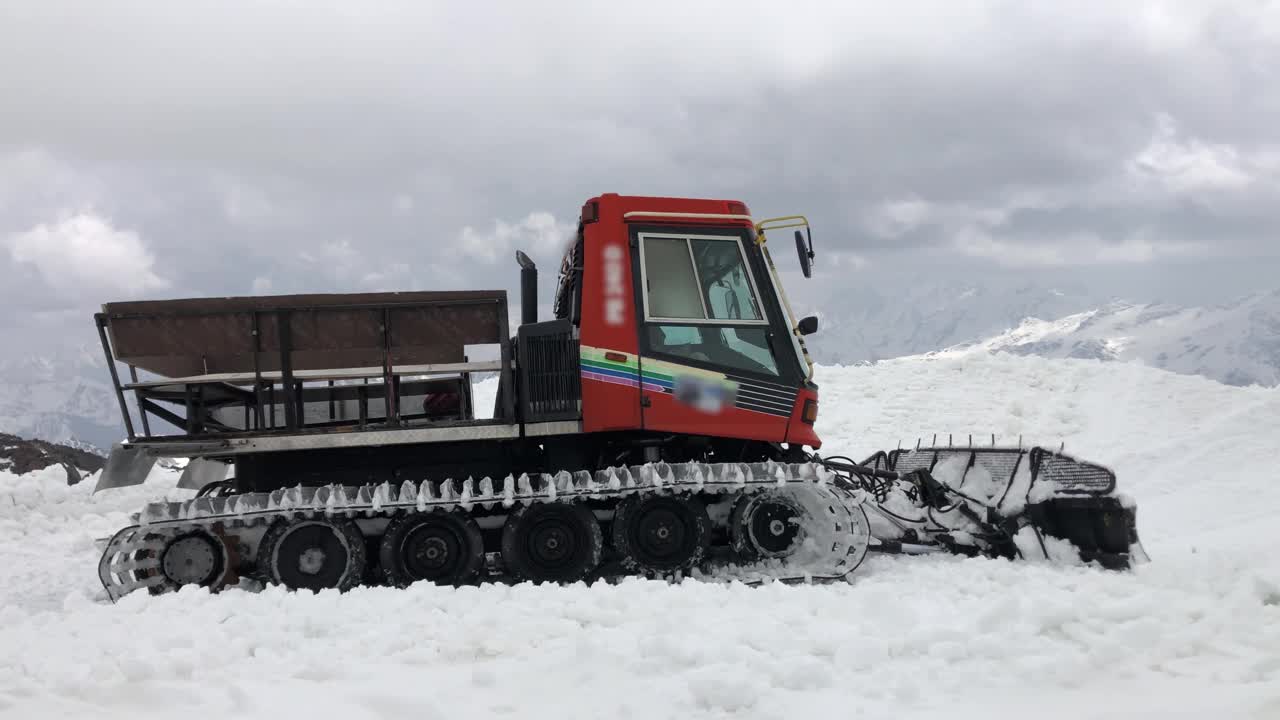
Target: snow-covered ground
(1194, 634)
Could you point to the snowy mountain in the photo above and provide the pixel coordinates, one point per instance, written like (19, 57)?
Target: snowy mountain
(861, 323)
(62, 397)
(1236, 344)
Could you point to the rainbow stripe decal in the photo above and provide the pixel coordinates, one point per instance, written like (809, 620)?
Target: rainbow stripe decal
(595, 366)
(625, 369)
(662, 376)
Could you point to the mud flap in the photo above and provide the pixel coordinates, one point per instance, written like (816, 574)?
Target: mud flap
(200, 472)
(126, 466)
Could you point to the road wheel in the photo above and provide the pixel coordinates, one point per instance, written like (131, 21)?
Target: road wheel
(445, 548)
(551, 542)
(766, 525)
(313, 554)
(194, 558)
(661, 533)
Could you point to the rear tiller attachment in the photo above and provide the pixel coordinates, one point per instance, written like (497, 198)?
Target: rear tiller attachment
(1030, 503)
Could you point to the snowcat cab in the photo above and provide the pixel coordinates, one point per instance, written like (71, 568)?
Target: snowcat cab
(682, 322)
(661, 424)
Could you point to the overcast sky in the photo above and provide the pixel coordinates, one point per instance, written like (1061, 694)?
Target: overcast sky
(192, 148)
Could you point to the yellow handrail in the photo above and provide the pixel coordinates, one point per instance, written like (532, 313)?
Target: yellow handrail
(786, 221)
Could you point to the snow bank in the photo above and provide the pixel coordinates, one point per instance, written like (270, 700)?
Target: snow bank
(47, 532)
(1194, 634)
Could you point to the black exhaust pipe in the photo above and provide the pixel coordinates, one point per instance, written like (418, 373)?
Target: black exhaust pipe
(528, 289)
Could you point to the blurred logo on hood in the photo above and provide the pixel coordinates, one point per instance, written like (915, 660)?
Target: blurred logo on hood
(707, 395)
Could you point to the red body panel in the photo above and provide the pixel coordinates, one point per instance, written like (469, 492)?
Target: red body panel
(667, 414)
(800, 432)
(610, 321)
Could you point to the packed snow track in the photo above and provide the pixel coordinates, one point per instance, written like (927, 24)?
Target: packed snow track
(1193, 634)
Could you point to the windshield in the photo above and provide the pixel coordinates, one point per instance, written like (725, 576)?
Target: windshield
(797, 343)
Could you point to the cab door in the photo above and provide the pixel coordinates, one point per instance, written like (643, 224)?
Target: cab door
(708, 364)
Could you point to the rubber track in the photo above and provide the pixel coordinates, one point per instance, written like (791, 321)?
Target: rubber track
(131, 558)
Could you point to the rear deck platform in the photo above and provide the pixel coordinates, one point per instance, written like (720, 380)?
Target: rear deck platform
(243, 374)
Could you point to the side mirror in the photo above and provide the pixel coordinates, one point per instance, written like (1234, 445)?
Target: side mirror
(809, 325)
(805, 251)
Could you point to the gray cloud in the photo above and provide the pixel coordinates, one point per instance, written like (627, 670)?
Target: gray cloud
(291, 146)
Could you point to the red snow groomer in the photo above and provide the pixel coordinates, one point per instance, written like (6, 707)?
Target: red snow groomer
(661, 424)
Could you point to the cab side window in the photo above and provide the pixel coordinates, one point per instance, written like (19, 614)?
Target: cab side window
(700, 302)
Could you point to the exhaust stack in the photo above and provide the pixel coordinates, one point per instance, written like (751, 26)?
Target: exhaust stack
(528, 289)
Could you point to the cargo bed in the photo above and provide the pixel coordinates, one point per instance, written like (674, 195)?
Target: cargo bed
(282, 372)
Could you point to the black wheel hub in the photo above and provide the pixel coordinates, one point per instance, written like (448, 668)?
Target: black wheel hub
(311, 556)
(660, 536)
(552, 544)
(775, 525)
(191, 560)
(432, 551)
